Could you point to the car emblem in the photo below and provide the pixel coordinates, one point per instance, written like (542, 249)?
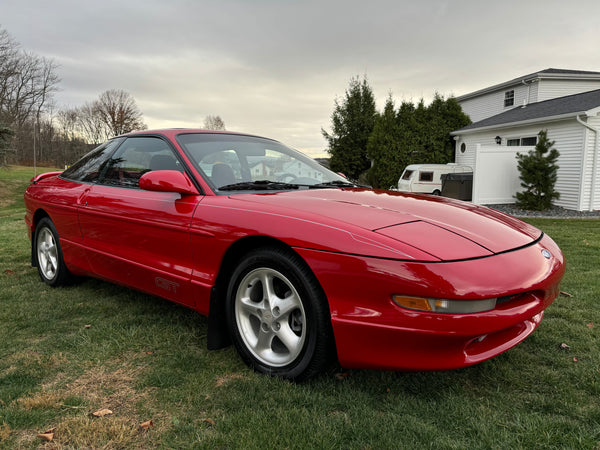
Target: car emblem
(546, 254)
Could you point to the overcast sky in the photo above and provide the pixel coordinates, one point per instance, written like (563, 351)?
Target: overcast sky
(275, 67)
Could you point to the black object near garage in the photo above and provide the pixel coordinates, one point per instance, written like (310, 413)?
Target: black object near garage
(458, 185)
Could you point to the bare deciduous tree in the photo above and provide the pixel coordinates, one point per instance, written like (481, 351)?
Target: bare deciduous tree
(214, 123)
(113, 113)
(30, 130)
(91, 125)
(27, 82)
(119, 112)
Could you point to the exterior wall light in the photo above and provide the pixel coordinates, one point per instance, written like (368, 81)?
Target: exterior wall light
(498, 140)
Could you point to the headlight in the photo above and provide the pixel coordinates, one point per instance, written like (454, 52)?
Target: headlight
(444, 306)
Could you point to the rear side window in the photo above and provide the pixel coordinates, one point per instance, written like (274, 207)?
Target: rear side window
(88, 168)
(425, 176)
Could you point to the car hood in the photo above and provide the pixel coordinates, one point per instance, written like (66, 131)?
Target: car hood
(444, 228)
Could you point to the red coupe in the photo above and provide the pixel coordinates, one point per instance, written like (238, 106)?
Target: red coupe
(290, 261)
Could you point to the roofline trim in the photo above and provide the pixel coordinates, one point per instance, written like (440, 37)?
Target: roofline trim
(522, 122)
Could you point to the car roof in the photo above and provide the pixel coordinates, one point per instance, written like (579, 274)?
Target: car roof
(172, 132)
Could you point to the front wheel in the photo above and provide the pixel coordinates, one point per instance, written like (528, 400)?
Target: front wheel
(278, 315)
(48, 254)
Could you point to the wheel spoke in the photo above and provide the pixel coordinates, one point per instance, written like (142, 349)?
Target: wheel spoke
(264, 342)
(251, 308)
(290, 340)
(287, 305)
(269, 295)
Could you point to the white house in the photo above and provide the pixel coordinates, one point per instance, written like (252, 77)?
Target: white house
(507, 118)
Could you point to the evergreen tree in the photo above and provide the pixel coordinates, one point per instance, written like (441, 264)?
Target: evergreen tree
(444, 116)
(418, 135)
(414, 125)
(538, 171)
(353, 121)
(432, 126)
(384, 149)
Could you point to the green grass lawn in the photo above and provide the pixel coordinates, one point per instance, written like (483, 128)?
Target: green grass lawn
(69, 352)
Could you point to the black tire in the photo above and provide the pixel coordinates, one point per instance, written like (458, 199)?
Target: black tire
(285, 329)
(48, 254)
(437, 192)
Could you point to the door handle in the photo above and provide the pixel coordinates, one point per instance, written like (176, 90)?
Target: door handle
(81, 201)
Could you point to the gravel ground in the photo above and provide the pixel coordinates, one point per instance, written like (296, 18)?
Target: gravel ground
(556, 212)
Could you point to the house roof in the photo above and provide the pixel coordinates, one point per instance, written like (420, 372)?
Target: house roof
(556, 108)
(536, 76)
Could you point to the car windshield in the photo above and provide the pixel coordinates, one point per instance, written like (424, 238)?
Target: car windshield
(233, 163)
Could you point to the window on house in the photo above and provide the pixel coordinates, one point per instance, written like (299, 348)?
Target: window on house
(509, 98)
(425, 176)
(529, 141)
(526, 141)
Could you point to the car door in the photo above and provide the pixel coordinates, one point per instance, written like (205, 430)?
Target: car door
(135, 237)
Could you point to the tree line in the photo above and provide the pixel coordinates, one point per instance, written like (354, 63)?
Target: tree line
(374, 147)
(31, 129)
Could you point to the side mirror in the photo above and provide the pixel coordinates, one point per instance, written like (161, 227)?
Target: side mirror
(167, 181)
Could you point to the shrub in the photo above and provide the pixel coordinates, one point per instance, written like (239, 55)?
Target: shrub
(538, 171)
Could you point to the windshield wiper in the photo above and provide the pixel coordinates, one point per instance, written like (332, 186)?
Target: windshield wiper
(333, 184)
(258, 185)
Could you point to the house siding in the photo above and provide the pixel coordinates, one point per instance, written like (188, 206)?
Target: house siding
(549, 89)
(488, 105)
(569, 141)
(588, 181)
(595, 122)
(569, 138)
(579, 147)
(471, 142)
(534, 92)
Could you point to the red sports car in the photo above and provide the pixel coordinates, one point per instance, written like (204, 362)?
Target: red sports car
(290, 261)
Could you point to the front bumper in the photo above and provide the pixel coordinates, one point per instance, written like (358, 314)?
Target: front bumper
(371, 331)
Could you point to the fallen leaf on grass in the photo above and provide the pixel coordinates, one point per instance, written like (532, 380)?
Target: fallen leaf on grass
(565, 294)
(575, 360)
(102, 412)
(9, 272)
(590, 325)
(47, 435)
(342, 375)
(564, 347)
(147, 425)
(209, 421)
(87, 326)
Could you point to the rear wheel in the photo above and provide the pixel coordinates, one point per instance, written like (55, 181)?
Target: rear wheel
(278, 315)
(437, 192)
(48, 254)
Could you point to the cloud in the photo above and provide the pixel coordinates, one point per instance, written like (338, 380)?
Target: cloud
(275, 67)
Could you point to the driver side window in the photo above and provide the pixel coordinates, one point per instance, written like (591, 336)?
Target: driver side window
(135, 157)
